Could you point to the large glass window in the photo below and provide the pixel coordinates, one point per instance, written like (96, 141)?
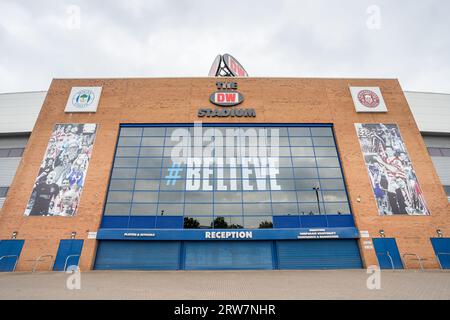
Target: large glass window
(439, 152)
(3, 192)
(226, 177)
(11, 153)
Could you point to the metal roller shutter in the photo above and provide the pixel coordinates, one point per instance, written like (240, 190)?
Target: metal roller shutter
(138, 255)
(318, 254)
(210, 255)
(8, 168)
(442, 165)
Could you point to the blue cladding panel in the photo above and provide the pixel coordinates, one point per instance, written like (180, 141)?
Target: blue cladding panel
(70, 251)
(316, 221)
(174, 222)
(214, 255)
(138, 255)
(9, 248)
(286, 222)
(441, 248)
(385, 247)
(115, 222)
(144, 222)
(340, 221)
(313, 221)
(318, 254)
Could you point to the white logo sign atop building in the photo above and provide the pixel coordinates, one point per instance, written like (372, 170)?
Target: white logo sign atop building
(368, 99)
(83, 99)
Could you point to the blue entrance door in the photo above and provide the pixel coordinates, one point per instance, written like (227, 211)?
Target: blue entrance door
(9, 254)
(441, 248)
(69, 253)
(387, 253)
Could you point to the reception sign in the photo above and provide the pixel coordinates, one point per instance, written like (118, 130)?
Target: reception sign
(228, 235)
(394, 181)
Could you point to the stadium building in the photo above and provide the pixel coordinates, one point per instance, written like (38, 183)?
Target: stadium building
(224, 173)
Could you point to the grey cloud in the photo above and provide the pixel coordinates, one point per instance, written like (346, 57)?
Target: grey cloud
(138, 38)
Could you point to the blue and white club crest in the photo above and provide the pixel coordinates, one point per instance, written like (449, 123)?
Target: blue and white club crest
(83, 98)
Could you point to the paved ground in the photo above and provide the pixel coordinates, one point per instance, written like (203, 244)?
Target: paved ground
(334, 284)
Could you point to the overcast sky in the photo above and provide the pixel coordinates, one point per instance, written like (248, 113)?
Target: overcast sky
(41, 40)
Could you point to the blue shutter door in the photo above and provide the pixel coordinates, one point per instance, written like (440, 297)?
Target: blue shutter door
(138, 255)
(318, 254)
(441, 248)
(385, 248)
(217, 255)
(69, 252)
(10, 250)
(228, 255)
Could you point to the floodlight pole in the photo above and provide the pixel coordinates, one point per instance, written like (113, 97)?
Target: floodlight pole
(317, 196)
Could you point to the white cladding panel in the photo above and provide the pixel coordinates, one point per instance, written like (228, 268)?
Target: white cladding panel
(8, 168)
(19, 111)
(442, 165)
(436, 141)
(431, 111)
(16, 141)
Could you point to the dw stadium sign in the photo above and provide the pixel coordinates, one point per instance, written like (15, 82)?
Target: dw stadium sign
(226, 99)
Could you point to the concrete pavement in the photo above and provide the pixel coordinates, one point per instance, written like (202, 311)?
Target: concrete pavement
(276, 284)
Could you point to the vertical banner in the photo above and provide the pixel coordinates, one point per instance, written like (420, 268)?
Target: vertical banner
(394, 181)
(58, 186)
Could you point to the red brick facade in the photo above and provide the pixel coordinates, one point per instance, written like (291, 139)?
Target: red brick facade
(275, 100)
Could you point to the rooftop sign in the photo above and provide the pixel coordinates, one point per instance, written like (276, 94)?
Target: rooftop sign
(236, 69)
(215, 68)
(227, 66)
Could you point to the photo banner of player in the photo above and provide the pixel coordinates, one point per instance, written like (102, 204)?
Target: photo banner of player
(394, 181)
(58, 186)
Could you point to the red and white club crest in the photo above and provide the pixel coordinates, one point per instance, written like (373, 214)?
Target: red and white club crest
(368, 98)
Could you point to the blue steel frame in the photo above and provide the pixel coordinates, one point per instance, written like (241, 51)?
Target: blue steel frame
(342, 171)
(172, 125)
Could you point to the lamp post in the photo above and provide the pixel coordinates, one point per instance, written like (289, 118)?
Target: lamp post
(317, 196)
